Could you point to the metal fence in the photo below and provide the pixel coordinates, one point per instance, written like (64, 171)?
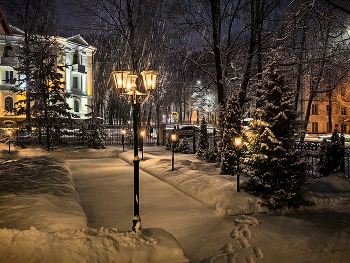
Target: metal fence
(310, 150)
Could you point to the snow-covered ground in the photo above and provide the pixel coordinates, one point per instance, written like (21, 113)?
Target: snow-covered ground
(42, 221)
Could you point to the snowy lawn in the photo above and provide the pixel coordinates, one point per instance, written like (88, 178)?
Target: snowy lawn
(204, 182)
(41, 219)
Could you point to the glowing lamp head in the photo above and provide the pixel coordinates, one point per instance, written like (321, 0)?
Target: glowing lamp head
(238, 141)
(9, 132)
(173, 137)
(120, 79)
(143, 133)
(123, 132)
(149, 79)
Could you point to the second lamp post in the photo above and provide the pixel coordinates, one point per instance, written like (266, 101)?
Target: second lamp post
(125, 82)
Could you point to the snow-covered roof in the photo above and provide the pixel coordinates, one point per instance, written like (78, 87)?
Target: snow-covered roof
(78, 39)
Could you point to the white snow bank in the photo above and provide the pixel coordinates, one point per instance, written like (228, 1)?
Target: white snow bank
(89, 245)
(41, 219)
(329, 192)
(61, 152)
(199, 179)
(38, 192)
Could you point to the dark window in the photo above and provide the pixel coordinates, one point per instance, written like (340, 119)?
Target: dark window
(75, 82)
(7, 51)
(327, 109)
(9, 76)
(315, 127)
(8, 103)
(76, 106)
(343, 110)
(314, 109)
(75, 59)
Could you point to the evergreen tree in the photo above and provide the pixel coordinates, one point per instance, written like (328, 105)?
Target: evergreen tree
(47, 98)
(184, 146)
(95, 135)
(230, 127)
(277, 172)
(331, 155)
(203, 145)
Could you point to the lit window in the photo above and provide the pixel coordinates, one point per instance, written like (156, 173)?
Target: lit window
(76, 106)
(8, 103)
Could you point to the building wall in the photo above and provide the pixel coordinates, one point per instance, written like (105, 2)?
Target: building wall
(82, 70)
(340, 114)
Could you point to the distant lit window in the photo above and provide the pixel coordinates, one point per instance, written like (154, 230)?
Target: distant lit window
(8, 103)
(75, 82)
(343, 110)
(76, 106)
(9, 76)
(314, 109)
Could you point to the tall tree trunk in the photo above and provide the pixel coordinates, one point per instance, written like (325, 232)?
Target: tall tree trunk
(215, 16)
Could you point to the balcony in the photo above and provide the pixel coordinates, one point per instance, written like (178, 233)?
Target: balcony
(8, 61)
(78, 68)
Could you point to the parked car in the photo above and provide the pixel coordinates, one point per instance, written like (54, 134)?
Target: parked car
(187, 131)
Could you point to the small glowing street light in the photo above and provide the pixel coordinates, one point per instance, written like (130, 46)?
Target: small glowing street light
(173, 139)
(123, 134)
(143, 134)
(9, 133)
(238, 144)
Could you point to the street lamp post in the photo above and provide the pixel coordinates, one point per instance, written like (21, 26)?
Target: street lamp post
(126, 84)
(173, 139)
(238, 144)
(9, 134)
(123, 134)
(142, 133)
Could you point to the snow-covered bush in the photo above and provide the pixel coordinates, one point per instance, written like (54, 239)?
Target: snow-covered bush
(210, 155)
(331, 155)
(184, 146)
(277, 172)
(203, 144)
(230, 127)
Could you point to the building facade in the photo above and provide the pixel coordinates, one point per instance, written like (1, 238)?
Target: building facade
(329, 110)
(78, 77)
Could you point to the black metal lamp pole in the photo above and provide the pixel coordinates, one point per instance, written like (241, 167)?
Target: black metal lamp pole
(136, 219)
(173, 139)
(9, 133)
(126, 83)
(123, 132)
(238, 144)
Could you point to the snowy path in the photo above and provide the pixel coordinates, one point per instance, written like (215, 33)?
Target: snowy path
(105, 190)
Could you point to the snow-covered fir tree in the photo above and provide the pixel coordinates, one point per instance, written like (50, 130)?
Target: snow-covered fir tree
(277, 172)
(331, 155)
(230, 127)
(184, 146)
(203, 144)
(94, 133)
